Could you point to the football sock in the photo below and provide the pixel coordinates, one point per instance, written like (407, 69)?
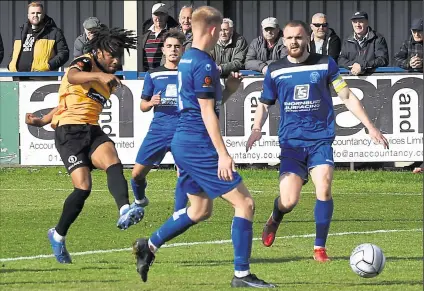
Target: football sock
(178, 223)
(124, 209)
(71, 209)
(323, 213)
(58, 237)
(241, 235)
(277, 214)
(117, 184)
(139, 189)
(181, 199)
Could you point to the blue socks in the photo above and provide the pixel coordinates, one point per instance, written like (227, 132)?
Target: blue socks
(241, 235)
(180, 199)
(323, 213)
(178, 223)
(139, 189)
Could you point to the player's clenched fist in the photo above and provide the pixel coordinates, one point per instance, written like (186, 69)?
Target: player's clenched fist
(155, 101)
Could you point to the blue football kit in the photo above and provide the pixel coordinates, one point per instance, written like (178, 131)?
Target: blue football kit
(157, 142)
(192, 148)
(307, 126)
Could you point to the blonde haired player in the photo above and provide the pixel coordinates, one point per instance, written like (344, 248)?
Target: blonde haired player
(206, 169)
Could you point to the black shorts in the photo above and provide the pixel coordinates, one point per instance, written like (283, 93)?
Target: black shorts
(77, 142)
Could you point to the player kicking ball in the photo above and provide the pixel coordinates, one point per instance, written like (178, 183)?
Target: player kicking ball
(79, 139)
(207, 171)
(160, 93)
(301, 84)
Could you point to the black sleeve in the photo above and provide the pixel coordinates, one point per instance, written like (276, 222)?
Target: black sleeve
(62, 52)
(82, 64)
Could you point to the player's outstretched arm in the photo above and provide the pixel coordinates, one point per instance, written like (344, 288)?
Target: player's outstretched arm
(355, 106)
(77, 77)
(33, 120)
(261, 116)
(225, 162)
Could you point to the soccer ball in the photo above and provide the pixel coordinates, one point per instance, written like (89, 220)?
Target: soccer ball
(367, 260)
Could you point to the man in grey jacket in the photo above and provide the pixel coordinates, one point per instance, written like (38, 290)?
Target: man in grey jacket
(230, 51)
(267, 48)
(81, 40)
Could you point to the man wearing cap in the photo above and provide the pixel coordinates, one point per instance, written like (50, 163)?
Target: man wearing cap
(89, 23)
(266, 48)
(365, 49)
(410, 56)
(150, 52)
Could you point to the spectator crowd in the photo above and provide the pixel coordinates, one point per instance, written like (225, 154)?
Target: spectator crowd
(41, 45)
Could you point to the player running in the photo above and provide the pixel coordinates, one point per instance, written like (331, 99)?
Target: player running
(160, 93)
(206, 169)
(300, 82)
(80, 141)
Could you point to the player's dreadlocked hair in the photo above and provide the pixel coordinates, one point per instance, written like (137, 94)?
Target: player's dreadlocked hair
(112, 40)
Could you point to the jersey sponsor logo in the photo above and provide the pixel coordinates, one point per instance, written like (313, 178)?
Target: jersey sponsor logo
(314, 76)
(285, 77)
(301, 92)
(160, 78)
(93, 94)
(186, 61)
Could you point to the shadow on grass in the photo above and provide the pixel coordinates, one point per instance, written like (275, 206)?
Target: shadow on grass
(194, 263)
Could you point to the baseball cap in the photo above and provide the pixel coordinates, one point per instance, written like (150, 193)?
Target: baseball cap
(269, 22)
(91, 22)
(159, 7)
(417, 24)
(359, 15)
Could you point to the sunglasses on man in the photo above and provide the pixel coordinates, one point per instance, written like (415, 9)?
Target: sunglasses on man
(320, 24)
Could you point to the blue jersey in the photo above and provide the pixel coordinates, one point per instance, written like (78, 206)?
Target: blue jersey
(303, 92)
(164, 81)
(198, 77)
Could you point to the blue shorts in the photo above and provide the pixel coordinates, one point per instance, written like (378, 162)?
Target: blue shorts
(198, 168)
(154, 148)
(299, 160)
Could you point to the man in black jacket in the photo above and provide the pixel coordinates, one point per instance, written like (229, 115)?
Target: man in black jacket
(365, 50)
(324, 40)
(41, 45)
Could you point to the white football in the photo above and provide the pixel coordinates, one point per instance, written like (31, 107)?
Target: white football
(367, 260)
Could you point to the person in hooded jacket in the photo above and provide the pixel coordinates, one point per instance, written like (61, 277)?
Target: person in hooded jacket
(41, 46)
(324, 39)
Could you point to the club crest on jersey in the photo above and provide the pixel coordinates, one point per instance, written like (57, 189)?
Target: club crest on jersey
(301, 92)
(314, 76)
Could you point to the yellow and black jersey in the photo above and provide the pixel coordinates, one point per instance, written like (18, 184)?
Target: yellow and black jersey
(83, 103)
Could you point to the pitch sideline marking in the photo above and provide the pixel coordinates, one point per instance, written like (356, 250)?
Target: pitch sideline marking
(185, 244)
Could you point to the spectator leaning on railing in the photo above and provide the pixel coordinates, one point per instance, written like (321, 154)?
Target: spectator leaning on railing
(230, 51)
(365, 49)
(410, 56)
(82, 40)
(266, 48)
(41, 45)
(324, 40)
